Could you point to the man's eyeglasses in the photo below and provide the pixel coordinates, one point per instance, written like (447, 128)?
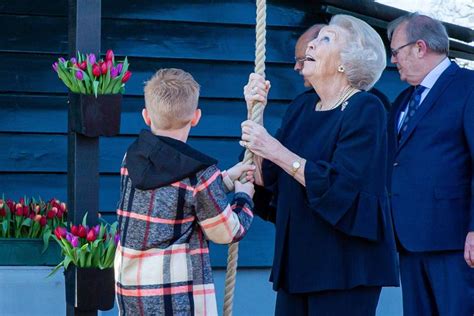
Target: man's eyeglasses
(300, 60)
(396, 50)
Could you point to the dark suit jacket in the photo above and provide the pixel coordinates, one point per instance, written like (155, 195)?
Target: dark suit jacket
(335, 233)
(431, 170)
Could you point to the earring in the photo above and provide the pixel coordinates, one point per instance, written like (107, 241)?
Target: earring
(340, 68)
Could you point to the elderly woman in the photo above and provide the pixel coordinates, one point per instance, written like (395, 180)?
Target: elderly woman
(334, 246)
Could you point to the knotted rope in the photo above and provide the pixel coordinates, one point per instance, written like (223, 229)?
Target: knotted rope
(256, 114)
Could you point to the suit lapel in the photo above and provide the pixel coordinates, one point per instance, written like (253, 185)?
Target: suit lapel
(394, 116)
(433, 95)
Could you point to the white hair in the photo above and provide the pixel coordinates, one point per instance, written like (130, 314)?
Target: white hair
(363, 54)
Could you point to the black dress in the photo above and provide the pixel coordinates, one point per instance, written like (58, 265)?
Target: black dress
(336, 233)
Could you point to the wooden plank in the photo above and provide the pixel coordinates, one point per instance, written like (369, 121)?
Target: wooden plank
(48, 114)
(21, 72)
(149, 39)
(256, 249)
(48, 152)
(279, 12)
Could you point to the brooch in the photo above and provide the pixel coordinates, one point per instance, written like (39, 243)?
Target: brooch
(343, 105)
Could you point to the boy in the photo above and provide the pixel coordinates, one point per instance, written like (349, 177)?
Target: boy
(172, 200)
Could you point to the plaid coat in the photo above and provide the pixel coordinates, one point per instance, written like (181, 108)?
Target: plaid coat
(172, 201)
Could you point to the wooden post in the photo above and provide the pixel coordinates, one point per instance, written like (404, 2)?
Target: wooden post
(84, 28)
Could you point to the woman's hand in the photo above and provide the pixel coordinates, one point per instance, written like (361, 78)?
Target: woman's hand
(256, 90)
(256, 138)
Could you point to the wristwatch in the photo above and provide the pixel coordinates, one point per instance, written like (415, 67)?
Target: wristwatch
(295, 166)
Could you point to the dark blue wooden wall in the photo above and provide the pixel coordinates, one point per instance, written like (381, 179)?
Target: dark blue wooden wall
(213, 40)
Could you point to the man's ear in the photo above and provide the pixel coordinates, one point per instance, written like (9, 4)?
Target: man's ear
(422, 48)
(146, 117)
(196, 117)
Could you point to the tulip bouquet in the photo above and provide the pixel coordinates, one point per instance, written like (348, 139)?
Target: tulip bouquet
(30, 218)
(87, 247)
(85, 74)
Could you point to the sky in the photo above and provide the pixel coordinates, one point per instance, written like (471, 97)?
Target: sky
(459, 12)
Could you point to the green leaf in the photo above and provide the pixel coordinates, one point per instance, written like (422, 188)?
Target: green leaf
(84, 220)
(95, 85)
(27, 222)
(46, 236)
(56, 269)
(67, 261)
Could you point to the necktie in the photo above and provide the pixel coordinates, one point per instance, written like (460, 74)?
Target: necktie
(413, 105)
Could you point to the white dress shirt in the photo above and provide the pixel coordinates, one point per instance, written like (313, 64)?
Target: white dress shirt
(428, 82)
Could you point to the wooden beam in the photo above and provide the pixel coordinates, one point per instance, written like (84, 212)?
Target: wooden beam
(84, 30)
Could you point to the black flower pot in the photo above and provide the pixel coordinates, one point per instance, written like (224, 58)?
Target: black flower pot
(95, 288)
(94, 117)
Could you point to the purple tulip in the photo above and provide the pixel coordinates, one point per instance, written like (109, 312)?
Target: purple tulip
(79, 75)
(75, 241)
(73, 60)
(55, 66)
(116, 239)
(62, 60)
(114, 72)
(119, 68)
(96, 229)
(69, 236)
(91, 58)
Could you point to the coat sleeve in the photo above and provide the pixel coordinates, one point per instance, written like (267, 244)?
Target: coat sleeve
(469, 134)
(221, 222)
(337, 189)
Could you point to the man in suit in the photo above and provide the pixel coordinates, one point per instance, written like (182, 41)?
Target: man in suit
(431, 152)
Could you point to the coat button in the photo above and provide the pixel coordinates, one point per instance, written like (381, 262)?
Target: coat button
(395, 164)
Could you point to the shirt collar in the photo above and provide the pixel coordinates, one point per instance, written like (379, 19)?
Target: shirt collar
(435, 73)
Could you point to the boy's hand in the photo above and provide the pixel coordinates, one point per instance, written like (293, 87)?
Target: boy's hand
(244, 187)
(236, 171)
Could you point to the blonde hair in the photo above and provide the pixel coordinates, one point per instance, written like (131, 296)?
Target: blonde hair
(171, 98)
(363, 55)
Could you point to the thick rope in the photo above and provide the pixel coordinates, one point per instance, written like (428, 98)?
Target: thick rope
(255, 115)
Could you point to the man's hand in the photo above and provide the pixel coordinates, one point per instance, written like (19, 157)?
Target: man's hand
(469, 249)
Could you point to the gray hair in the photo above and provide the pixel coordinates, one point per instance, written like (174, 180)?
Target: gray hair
(363, 56)
(422, 27)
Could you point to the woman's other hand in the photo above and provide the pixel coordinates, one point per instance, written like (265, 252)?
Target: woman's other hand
(256, 90)
(256, 138)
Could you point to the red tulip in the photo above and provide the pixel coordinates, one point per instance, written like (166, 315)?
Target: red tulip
(63, 207)
(60, 232)
(26, 211)
(3, 213)
(91, 236)
(96, 70)
(109, 64)
(19, 210)
(83, 65)
(75, 230)
(126, 76)
(50, 214)
(109, 55)
(103, 68)
(43, 221)
(37, 218)
(59, 214)
(82, 232)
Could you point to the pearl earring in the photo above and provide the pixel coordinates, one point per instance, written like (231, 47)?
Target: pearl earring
(340, 68)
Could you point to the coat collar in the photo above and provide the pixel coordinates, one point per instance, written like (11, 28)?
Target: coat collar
(154, 161)
(438, 88)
